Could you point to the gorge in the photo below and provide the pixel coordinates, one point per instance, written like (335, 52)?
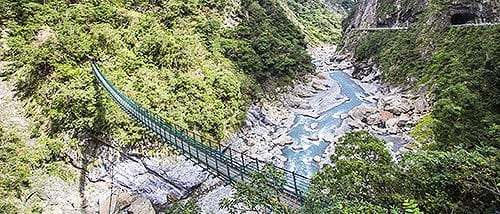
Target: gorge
(398, 121)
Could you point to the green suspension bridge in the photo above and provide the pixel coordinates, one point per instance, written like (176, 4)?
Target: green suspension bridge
(225, 163)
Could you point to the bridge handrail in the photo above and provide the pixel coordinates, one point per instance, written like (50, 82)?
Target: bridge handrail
(296, 184)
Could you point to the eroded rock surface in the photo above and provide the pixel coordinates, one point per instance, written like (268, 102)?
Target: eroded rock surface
(161, 180)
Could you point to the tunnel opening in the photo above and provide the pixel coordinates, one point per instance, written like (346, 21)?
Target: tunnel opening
(462, 18)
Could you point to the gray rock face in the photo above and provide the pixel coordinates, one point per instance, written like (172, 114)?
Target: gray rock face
(159, 180)
(363, 111)
(365, 13)
(396, 104)
(123, 202)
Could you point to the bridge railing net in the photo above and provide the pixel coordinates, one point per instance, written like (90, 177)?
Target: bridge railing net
(237, 165)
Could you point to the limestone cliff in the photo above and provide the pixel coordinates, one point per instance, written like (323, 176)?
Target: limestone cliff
(390, 13)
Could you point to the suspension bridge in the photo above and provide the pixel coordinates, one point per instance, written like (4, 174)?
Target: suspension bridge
(227, 164)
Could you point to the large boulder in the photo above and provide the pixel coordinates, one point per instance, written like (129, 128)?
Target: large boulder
(391, 122)
(363, 111)
(317, 159)
(155, 179)
(357, 124)
(385, 116)
(283, 140)
(396, 104)
(319, 86)
(403, 120)
(329, 137)
(421, 105)
(373, 119)
(123, 202)
(310, 114)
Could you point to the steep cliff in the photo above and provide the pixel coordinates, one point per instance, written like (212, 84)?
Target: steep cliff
(458, 66)
(391, 13)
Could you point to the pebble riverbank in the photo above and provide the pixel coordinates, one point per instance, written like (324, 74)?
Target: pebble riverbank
(388, 113)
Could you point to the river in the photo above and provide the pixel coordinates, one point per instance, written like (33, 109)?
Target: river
(307, 133)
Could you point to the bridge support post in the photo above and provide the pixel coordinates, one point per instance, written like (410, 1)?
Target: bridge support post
(295, 183)
(216, 163)
(257, 163)
(231, 155)
(243, 167)
(229, 173)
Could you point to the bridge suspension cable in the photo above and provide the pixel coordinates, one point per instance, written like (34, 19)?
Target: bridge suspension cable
(228, 164)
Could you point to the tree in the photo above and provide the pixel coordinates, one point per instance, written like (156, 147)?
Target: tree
(260, 193)
(360, 181)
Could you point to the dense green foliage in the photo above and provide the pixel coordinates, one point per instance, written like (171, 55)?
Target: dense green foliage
(184, 207)
(362, 173)
(438, 181)
(174, 58)
(268, 44)
(197, 63)
(260, 194)
(19, 162)
(14, 171)
(318, 23)
(457, 170)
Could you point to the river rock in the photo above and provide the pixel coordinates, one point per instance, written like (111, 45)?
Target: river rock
(357, 124)
(313, 138)
(392, 122)
(310, 114)
(281, 158)
(284, 140)
(265, 156)
(297, 148)
(314, 125)
(421, 106)
(378, 130)
(363, 111)
(396, 104)
(373, 119)
(317, 159)
(319, 86)
(403, 120)
(301, 91)
(279, 131)
(344, 65)
(329, 137)
(392, 130)
(372, 76)
(385, 116)
(304, 105)
(340, 57)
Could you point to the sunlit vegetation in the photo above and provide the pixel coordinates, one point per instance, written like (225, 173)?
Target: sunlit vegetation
(314, 19)
(176, 58)
(197, 63)
(457, 169)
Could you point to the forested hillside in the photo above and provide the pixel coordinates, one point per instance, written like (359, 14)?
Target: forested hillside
(176, 58)
(455, 169)
(454, 164)
(197, 63)
(200, 64)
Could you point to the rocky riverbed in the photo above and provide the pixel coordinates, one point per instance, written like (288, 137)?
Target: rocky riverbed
(387, 112)
(115, 180)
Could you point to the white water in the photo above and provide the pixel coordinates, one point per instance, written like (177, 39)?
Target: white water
(301, 161)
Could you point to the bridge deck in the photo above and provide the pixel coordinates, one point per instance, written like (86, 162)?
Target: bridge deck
(229, 165)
